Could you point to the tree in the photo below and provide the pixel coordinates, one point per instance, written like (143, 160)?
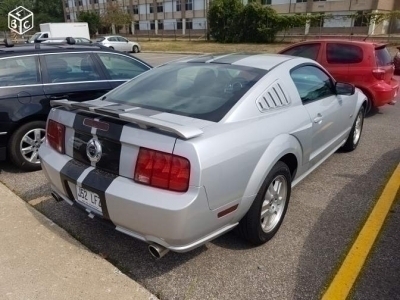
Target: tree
(223, 19)
(93, 20)
(114, 15)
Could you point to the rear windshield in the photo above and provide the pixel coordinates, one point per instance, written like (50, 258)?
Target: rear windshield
(383, 57)
(199, 90)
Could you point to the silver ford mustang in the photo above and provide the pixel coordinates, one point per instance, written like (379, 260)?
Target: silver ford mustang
(189, 150)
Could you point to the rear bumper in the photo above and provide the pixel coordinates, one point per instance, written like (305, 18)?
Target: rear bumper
(384, 93)
(177, 221)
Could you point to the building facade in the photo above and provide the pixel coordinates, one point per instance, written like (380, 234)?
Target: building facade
(189, 16)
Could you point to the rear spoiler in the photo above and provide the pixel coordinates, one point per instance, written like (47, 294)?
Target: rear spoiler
(144, 122)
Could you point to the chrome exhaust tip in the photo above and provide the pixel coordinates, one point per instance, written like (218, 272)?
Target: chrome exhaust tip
(157, 251)
(56, 197)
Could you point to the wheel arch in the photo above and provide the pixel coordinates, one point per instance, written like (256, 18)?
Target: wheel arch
(290, 153)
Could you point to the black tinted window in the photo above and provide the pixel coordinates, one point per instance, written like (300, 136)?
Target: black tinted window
(121, 67)
(312, 83)
(18, 71)
(383, 57)
(71, 67)
(307, 51)
(343, 54)
(203, 91)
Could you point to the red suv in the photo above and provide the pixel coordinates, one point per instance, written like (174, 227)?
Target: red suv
(369, 66)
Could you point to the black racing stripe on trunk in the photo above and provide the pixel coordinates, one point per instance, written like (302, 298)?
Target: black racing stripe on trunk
(114, 131)
(110, 159)
(78, 122)
(70, 173)
(79, 143)
(98, 182)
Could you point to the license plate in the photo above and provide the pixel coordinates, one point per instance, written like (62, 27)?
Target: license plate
(89, 198)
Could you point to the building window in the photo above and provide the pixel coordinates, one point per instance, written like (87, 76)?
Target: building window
(151, 8)
(135, 10)
(360, 20)
(152, 25)
(68, 17)
(160, 24)
(178, 5)
(136, 25)
(160, 7)
(266, 2)
(189, 24)
(66, 3)
(299, 1)
(319, 0)
(189, 5)
(179, 24)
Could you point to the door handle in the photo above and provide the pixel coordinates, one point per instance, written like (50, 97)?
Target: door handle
(318, 118)
(59, 97)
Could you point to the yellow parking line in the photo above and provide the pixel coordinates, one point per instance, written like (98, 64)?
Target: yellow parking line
(354, 261)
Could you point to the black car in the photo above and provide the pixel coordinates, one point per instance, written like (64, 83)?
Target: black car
(33, 75)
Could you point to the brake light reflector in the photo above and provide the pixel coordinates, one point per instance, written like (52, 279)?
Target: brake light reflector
(162, 170)
(55, 134)
(379, 74)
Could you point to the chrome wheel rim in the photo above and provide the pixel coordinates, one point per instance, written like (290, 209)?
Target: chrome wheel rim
(274, 203)
(357, 129)
(30, 144)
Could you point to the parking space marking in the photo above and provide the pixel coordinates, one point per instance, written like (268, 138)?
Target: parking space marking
(355, 259)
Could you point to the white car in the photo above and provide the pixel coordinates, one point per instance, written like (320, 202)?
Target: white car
(119, 43)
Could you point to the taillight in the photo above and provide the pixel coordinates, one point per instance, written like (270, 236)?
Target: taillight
(55, 135)
(379, 74)
(162, 170)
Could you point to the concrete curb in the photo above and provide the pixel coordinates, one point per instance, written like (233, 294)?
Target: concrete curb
(40, 260)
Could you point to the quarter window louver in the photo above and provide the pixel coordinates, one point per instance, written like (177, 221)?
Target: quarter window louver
(272, 98)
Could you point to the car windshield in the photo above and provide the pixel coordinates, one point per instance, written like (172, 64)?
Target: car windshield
(35, 36)
(199, 90)
(100, 39)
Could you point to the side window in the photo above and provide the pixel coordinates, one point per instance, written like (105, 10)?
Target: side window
(343, 53)
(71, 67)
(18, 71)
(308, 51)
(121, 67)
(45, 36)
(112, 39)
(121, 39)
(312, 83)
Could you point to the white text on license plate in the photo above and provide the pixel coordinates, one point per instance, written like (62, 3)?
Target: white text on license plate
(89, 198)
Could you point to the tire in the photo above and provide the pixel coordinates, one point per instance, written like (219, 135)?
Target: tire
(28, 137)
(355, 134)
(252, 227)
(135, 49)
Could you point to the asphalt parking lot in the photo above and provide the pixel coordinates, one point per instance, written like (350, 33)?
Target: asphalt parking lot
(326, 212)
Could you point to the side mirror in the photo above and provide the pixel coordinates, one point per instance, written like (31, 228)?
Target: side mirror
(347, 89)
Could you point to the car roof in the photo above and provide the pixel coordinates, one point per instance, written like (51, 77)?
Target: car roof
(338, 40)
(253, 60)
(50, 47)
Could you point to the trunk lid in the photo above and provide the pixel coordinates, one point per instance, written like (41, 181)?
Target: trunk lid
(121, 131)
